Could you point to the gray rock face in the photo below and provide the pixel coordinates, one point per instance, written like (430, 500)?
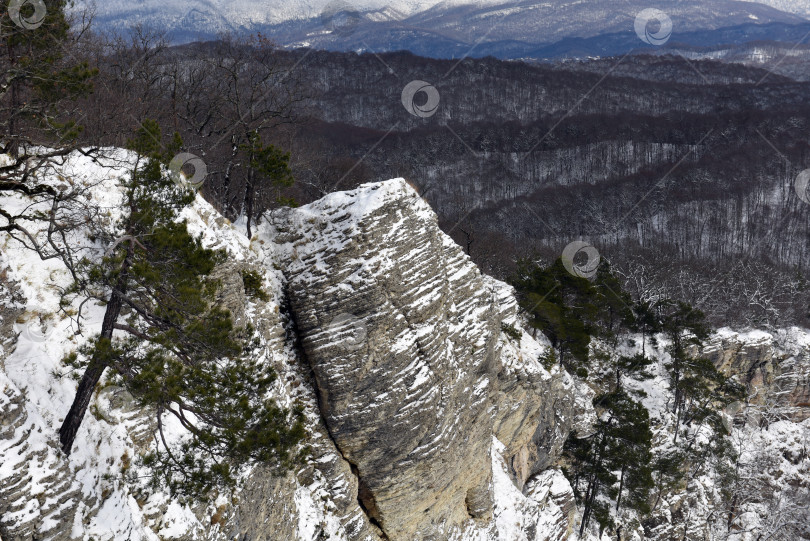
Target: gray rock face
(775, 367)
(403, 335)
(403, 359)
(536, 412)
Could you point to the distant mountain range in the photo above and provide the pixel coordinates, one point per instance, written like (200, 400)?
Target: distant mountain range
(452, 29)
(799, 7)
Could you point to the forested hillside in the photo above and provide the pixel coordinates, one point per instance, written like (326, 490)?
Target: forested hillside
(695, 162)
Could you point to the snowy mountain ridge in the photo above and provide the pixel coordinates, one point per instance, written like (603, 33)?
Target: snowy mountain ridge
(442, 29)
(245, 12)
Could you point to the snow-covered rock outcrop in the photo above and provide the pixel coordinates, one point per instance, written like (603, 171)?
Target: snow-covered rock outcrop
(761, 488)
(413, 373)
(774, 365)
(427, 421)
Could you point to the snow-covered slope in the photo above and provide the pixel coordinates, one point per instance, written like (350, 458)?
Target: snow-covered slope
(761, 489)
(43, 493)
(46, 495)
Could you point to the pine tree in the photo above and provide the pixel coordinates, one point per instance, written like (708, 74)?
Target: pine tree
(571, 310)
(632, 366)
(613, 304)
(698, 386)
(561, 306)
(644, 319)
(168, 343)
(269, 170)
(632, 451)
(622, 443)
(668, 473)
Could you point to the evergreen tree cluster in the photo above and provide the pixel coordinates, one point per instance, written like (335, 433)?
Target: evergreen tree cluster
(619, 466)
(176, 350)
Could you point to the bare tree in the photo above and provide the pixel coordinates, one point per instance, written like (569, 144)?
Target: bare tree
(227, 96)
(40, 122)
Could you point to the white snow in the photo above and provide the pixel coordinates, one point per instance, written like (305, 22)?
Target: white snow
(34, 368)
